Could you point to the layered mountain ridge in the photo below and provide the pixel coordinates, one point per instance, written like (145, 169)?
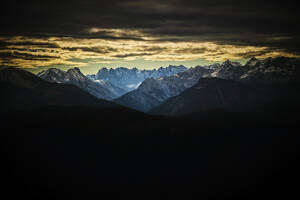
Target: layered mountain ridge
(211, 94)
(130, 79)
(153, 92)
(269, 70)
(159, 85)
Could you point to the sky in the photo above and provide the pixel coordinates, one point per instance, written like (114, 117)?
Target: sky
(91, 34)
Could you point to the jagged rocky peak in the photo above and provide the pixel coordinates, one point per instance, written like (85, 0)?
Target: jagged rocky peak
(252, 62)
(229, 70)
(172, 67)
(76, 73)
(54, 70)
(104, 69)
(58, 75)
(99, 88)
(50, 70)
(267, 60)
(214, 66)
(253, 59)
(55, 75)
(281, 62)
(74, 70)
(231, 63)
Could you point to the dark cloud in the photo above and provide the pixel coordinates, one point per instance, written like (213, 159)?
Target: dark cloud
(26, 56)
(101, 50)
(251, 54)
(36, 44)
(154, 49)
(273, 24)
(127, 55)
(192, 50)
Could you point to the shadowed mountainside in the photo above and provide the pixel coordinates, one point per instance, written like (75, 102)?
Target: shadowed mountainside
(214, 93)
(82, 152)
(154, 91)
(23, 90)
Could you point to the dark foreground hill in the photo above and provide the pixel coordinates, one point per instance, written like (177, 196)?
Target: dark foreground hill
(215, 93)
(21, 90)
(211, 94)
(88, 153)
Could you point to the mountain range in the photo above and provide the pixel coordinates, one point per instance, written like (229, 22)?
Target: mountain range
(173, 90)
(100, 88)
(269, 70)
(107, 84)
(130, 79)
(152, 92)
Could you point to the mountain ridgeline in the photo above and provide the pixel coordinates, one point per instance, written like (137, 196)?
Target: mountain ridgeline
(153, 91)
(100, 89)
(107, 84)
(130, 79)
(212, 94)
(170, 89)
(264, 73)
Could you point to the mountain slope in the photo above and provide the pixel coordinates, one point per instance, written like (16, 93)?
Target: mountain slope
(138, 100)
(211, 94)
(23, 90)
(269, 70)
(154, 91)
(100, 89)
(130, 79)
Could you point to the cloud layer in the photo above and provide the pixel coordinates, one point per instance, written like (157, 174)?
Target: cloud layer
(45, 33)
